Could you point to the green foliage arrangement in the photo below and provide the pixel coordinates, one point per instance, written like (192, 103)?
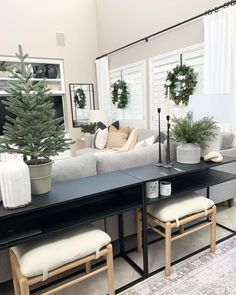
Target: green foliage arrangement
(80, 98)
(88, 128)
(120, 94)
(31, 129)
(185, 130)
(182, 81)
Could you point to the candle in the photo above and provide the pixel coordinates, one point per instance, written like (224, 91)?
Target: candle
(158, 95)
(168, 102)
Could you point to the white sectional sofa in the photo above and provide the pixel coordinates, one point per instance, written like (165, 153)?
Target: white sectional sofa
(88, 164)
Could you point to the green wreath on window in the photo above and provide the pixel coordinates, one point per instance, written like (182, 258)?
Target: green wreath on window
(120, 94)
(80, 98)
(182, 81)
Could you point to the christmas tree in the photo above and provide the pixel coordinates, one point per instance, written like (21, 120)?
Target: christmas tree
(31, 128)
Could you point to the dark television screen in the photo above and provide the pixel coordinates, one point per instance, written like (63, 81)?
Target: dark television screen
(57, 104)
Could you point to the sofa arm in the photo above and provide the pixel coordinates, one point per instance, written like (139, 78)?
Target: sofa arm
(229, 152)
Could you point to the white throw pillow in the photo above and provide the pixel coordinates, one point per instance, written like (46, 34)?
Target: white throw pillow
(145, 143)
(100, 139)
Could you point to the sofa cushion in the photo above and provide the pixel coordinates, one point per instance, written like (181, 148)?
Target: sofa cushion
(226, 139)
(118, 161)
(117, 138)
(102, 126)
(39, 257)
(132, 140)
(144, 143)
(146, 133)
(100, 139)
(73, 168)
(172, 209)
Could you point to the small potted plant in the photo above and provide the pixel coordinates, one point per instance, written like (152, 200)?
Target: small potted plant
(31, 128)
(88, 130)
(193, 135)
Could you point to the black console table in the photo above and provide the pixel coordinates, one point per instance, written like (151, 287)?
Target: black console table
(72, 203)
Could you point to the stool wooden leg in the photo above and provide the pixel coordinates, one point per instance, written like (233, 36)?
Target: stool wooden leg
(88, 267)
(181, 229)
(24, 287)
(110, 271)
(213, 230)
(167, 248)
(139, 230)
(14, 278)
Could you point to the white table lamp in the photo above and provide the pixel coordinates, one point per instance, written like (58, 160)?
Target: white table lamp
(98, 116)
(219, 106)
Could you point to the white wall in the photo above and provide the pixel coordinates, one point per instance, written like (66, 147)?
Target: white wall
(124, 21)
(34, 25)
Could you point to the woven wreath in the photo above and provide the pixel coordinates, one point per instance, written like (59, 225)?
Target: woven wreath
(120, 94)
(80, 98)
(182, 81)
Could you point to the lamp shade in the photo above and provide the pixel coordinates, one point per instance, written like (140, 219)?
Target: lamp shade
(98, 116)
(219, 106)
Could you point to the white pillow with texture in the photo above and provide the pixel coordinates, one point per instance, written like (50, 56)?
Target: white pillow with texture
(145, 143)
(100, 139)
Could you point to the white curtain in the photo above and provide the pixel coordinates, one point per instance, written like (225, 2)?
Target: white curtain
(220, 54)
(218, 38)
(103, 84)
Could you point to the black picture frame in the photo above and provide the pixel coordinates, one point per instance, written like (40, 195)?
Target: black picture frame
(81, 116)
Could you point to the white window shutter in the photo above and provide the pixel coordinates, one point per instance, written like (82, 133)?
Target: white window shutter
(158, 68)
(135, 112)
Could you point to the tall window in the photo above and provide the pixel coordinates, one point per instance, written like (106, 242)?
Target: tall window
(135, 112)
(158, 68)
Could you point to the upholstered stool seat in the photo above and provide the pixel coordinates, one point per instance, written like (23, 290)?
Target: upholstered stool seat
(39, 259)
(172, 213)
(173, 209)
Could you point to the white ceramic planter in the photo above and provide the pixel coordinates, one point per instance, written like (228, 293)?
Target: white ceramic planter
(40, 177)
(15, 183)
(188, 153)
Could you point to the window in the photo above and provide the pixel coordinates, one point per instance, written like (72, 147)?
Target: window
(159, 66)
(135, 112)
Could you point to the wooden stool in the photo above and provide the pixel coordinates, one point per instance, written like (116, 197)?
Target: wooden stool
(35, 262)
(172, 213)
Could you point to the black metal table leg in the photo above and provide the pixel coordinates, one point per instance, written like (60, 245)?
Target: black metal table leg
(121, 234)
(144, 231)
(208, 192)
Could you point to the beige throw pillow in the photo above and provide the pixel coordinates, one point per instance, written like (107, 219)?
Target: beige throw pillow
(117, 138)
(132, 140)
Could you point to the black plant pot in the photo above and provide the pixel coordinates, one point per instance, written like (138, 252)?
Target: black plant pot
(52, 71)
(40, 71)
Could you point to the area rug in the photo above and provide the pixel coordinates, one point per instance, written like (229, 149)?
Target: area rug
(203, 274)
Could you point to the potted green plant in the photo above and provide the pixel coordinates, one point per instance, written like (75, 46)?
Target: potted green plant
(31, 128)
(88, 128)
(193, 135)
(3, 69)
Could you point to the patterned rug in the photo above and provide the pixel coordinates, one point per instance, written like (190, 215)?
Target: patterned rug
(203, 274)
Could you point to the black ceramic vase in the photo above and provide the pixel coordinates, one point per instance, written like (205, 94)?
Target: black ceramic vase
(51, 71)
(40, 71)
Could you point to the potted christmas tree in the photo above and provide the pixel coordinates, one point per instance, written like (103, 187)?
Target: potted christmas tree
(31, 128)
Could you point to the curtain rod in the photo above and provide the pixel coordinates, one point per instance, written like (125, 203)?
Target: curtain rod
(146, 39)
